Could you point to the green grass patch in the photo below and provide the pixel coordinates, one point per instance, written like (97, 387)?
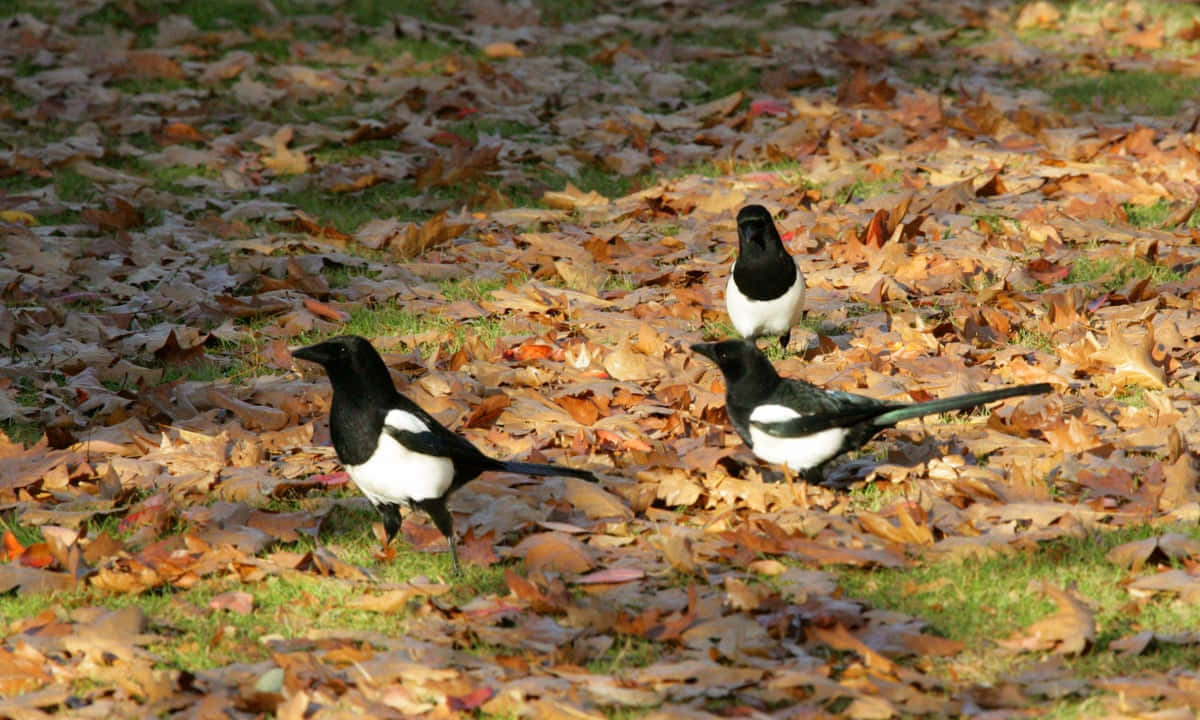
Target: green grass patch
(1148, 216)
(25, 432)
(626, 652)
(1029, 338)
(1138, 93)
(347, 211)
(71, 186)
(864, 188)
(1132, 396)
(473, 128)
(978, 601)
(373, 321)
(1113, 273)
(721, 77)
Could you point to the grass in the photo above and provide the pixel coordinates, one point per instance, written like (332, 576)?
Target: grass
(1148, 216)
(1137, 93)
(979, 601)
(864, 188)
(1113, 273)
(720, 77)
(1034, 339)
(285, 606)
(374, 321)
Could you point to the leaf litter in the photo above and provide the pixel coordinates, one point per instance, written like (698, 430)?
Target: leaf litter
(179, 208)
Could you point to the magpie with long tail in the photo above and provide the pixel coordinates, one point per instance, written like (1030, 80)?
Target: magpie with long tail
(765, 292)
(801, 426)
(395, 452)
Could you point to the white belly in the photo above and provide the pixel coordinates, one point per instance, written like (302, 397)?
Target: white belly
(395, 474)
(752, 318)
(798, 453)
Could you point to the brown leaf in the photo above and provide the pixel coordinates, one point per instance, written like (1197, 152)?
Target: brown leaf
(236, 601)
(478, 550)
(1069, 631)
(171, 353)
(1132, 364)
(1037, 14)
(582, 409)
(500, 50)
(121, 215)
(1182, 582)
(397, 600)
(1179, 486)
(485, 414)
(595, 501)
(553, 551)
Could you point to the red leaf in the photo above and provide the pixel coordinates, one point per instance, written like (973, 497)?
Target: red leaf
(37, 555)
(1047, 272)
(471, 700)
(769, 107)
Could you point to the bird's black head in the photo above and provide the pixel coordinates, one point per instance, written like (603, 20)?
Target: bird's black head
(741, 362)
(349, 360)
(756, 226)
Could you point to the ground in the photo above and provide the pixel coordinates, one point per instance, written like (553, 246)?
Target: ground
(529, 209)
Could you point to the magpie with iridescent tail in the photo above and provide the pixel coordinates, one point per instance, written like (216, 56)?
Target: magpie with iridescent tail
(802, 427)
(395, 452)
(765, 292)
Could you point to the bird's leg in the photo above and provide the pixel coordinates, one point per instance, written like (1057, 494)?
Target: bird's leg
(436, 507)
(784, 339)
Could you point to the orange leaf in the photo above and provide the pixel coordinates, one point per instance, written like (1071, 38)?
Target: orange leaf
(583, 410)
(554, 551)
(12, 546)
(325, 310)
(182, 132)
(37, 555)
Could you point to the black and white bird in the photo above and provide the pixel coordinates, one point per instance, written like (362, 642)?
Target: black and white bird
(800, 426)
(394, 451)
(765, 292)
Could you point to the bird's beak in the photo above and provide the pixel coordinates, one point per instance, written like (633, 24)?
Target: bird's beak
(708, 350)
(312, 353)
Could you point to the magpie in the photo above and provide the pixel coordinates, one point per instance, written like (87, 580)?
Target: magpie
(801, 426)
(394, 451)
(765, 292)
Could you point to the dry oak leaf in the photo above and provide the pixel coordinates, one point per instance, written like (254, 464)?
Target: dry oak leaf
(1182, 582)
(572, 198)
(1164, 548)
(500, 50)
(397, 600)
(909, 530)
(1070, 631)
(1132, 365)
(237, 601)
(1179, 483)
(282, 160)
(554, 551)
(595, 501)
(1037, 14)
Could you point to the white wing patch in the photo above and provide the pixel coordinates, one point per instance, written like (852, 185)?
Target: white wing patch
(402, 420)
(395, 474)
(798, 453)
(773, 413)
(752, 318)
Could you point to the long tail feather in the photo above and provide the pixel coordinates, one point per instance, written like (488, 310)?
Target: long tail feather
(958, 402)
(547, 470)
